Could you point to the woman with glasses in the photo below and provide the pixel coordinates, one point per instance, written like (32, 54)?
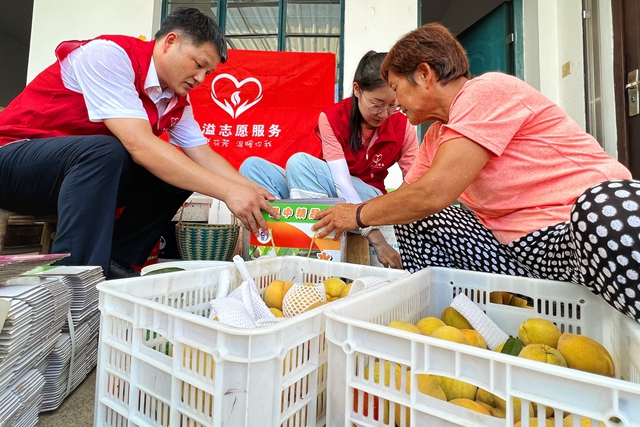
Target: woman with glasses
(362, 137)
(544, 199)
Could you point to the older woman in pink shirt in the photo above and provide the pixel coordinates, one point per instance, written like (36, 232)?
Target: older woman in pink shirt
(543, 198)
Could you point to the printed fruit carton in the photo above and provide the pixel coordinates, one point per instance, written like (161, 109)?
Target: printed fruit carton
(292, 234)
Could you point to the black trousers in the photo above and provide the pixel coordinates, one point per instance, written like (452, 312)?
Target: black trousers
(83, 179)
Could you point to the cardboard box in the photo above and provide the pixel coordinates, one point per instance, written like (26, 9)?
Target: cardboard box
(196, 208)
(292, 234)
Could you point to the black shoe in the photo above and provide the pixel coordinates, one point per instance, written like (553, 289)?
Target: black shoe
(120, 270)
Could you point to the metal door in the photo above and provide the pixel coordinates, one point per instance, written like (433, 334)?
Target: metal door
(489, 42)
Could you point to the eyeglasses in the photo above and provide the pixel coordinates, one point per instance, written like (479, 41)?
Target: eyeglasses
(376, 109)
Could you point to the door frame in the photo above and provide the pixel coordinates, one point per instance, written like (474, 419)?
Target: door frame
(628, 150)
(619, 80)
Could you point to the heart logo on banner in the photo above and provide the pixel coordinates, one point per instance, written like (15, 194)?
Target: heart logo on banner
(235, 104)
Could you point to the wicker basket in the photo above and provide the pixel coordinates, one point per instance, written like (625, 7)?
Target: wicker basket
(210, 242)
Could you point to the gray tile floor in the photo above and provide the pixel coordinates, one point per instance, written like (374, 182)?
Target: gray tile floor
(77, 408)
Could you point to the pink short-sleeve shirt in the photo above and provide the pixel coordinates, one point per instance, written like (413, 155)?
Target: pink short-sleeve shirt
(542, 161)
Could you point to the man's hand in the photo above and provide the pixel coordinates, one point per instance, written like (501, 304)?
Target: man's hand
(243, 197)
(264, 193)
(387, 256)
(339, 218)
(247, 205)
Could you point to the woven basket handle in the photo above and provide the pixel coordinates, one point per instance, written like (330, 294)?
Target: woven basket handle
(181, 210)
(184, 205)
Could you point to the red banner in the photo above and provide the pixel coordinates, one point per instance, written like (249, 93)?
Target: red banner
(265, 104)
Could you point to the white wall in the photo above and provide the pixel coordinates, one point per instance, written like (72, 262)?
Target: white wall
(608, 91)
(553, 37)
(531, 43)
(571, 89)
(373, 24)
(57, 20)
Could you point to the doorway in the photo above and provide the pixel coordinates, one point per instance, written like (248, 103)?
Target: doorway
(485, 28)
(626, 37)
(490, 42)
(15, 37)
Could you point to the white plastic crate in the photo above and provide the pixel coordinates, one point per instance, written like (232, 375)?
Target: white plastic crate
(357, 336)
(162, 362)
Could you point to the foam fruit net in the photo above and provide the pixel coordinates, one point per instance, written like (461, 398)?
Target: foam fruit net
(492, 334)
(302, 295)
(243, 308)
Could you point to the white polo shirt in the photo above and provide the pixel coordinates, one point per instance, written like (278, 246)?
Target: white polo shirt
(102, 72)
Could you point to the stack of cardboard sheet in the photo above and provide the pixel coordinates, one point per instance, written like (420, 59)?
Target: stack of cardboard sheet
(9, 407)
(14, 265)
(33, 324)
(75, 353)
(82, 282)
(49, 322)
(28, 390)
(14, 339)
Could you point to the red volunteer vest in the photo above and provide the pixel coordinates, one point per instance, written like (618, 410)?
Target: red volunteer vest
(372, 165)
(46, 108)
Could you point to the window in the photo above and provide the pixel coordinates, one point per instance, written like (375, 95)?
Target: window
(283, 25)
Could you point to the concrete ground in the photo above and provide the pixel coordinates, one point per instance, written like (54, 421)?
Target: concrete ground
(77, 408)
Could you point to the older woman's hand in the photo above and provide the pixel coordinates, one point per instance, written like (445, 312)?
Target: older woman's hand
(339, 218)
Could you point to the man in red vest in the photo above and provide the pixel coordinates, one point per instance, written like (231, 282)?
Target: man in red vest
(83, 139)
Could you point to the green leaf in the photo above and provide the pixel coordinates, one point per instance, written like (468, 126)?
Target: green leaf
(164, 270)
(512, 346)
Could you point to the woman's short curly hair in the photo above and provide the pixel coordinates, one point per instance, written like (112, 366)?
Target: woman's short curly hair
(431, 43)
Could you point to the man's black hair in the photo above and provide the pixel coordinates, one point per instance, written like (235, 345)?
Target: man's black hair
(197, 27)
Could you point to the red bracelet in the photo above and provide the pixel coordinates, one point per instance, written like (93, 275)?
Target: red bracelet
(358, 220)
